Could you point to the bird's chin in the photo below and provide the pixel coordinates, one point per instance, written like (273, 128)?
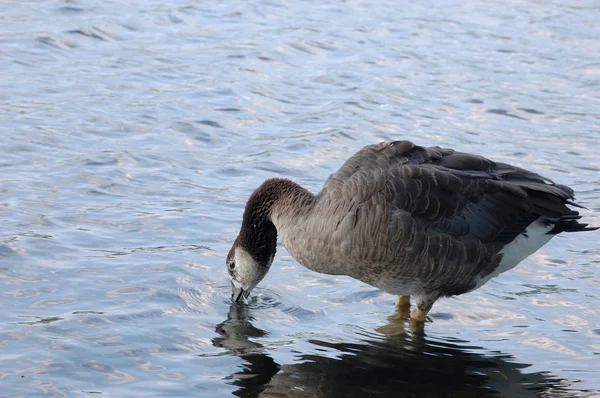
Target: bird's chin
(238, 294)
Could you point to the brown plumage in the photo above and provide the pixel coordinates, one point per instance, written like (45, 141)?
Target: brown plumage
(426, 222)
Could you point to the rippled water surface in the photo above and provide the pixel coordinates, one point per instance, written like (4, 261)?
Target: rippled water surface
(132, 134)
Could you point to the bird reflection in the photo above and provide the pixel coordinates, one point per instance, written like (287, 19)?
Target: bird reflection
(397, 364)
(236, 331)
(234, 335)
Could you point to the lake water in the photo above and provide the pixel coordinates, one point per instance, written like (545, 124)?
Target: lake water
(132, 134)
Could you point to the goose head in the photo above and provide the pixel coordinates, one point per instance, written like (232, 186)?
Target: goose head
(246, 270)
(253, 251)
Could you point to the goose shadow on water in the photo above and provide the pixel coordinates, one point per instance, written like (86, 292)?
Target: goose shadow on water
(397, 364)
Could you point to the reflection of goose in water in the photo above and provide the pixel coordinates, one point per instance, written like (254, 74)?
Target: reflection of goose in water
(397, 365)
(409, 220)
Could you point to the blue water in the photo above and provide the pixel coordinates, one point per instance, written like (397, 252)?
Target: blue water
(132, 134)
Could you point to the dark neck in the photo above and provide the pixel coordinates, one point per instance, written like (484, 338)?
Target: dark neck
(258, 234)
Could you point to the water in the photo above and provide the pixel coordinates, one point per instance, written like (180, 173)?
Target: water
(132, 134)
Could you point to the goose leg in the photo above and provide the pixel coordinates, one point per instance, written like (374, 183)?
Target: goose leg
(403, 306)
(418, 315)
(402, 301)
(424, 304)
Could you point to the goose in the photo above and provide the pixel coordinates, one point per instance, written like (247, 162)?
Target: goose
(426, 222)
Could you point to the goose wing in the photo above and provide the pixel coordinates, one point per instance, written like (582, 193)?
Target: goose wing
(463, 195)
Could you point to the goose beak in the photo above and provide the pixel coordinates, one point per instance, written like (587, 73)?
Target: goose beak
(238, 294)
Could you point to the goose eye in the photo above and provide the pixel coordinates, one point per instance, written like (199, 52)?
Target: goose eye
(231, 265)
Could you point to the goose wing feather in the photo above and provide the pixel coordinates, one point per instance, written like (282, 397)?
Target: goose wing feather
(463, 195)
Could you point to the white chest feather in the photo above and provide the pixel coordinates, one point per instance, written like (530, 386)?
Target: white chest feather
(524, 245)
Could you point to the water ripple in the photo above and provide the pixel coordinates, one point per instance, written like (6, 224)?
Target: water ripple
(133, 133)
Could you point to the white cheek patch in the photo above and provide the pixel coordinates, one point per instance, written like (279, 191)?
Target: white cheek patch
(242, 256)
(247, 270)
(236, 283)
